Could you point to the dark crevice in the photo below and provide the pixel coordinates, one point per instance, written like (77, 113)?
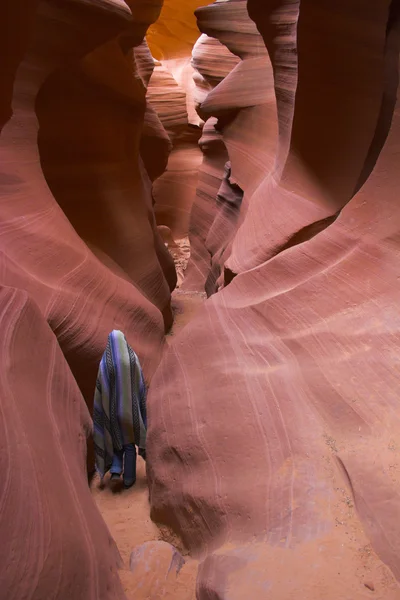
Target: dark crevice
(308, 232)
(228, 276)
(391, 79)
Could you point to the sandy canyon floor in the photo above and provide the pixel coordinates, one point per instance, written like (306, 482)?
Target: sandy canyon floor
(127, 512)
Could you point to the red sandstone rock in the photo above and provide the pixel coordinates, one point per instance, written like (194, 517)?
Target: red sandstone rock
(168, 100)
(175, 189)
(276, 461)
(246, 124)
(330, 114)
(109, 275)
(74, 254)
(302, 204)
(80, 261)
(92, 163)
(54, 542)
(213, 62)
(273, 418)
(155, 145)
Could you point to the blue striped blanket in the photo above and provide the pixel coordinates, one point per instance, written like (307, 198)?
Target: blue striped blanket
(119, 412)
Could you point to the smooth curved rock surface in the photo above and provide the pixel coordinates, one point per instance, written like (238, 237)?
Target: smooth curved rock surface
(74, 255)
(292, 188)
(155, 144)
(229, 206)
(55, 543)
(212, 62)
(235, 572)
(87, 284)
(330, 114)
(90, 121)
(80, 255)
(274, 421)
(175, 190)
(280, 447)
(244, 118)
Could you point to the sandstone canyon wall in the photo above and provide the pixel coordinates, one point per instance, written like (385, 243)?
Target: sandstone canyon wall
(274, 422)
(80, 255)
(174, 190)
(273, 442)
(77, 251)
(212, 62)
(171, 94)
(241, 127)
(55, 543)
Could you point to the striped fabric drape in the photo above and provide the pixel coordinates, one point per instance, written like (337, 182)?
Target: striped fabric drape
(119, 412)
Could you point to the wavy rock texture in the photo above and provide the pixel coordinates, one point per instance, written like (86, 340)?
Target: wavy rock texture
(55, 543)
(175, 190)
(273, 447)
(330, 114)
(172, 97)
(171, 40)
(241, 127)
(99, 153)
(315, 120)
(155, 145)
(276, 457)
(212, 62)
(87, 254)
(80, 255)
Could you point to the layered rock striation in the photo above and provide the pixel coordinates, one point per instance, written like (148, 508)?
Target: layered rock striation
(89, 253)
(273, 424)
(274, 421)
(241, 127)
(55, 544)
(80, 256)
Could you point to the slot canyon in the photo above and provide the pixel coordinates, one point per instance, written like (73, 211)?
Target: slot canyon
(218, 180)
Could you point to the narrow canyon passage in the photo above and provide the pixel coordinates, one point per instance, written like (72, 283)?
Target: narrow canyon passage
(127, 512)
(217, 180)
